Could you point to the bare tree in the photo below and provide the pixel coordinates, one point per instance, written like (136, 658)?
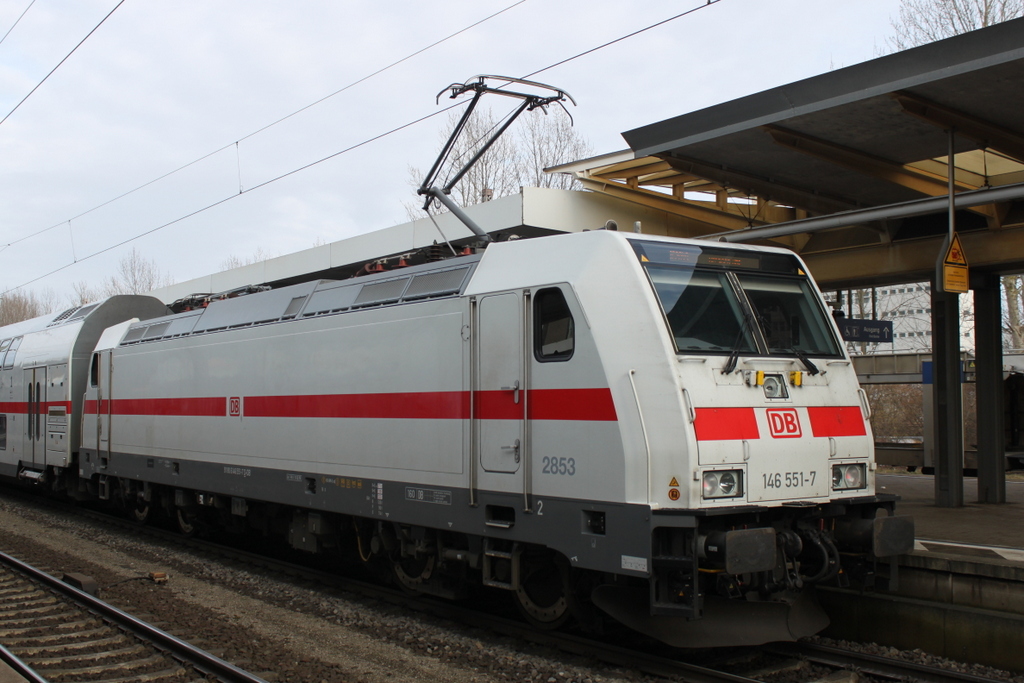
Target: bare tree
(925, 21)
(21, 304)
(135, 275)
(257, 256)
(84, 293)
(545, 141)
(1013, 311)
(897, 412)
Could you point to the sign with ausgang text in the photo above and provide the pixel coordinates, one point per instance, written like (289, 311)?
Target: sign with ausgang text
(856, 330)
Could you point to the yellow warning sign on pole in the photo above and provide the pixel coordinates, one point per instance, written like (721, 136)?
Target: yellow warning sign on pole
(955, 276)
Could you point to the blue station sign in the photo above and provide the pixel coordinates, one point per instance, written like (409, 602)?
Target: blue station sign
(856, 330)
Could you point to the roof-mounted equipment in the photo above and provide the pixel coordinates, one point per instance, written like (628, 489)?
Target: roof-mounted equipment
(478, 85)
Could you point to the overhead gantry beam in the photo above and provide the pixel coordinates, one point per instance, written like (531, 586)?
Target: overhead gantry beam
(767, 188)
(913, 259)
(918, 180)
(984, 132)
(708, 220)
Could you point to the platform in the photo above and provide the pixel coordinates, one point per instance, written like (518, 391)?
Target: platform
(975, 524)
(959, 593)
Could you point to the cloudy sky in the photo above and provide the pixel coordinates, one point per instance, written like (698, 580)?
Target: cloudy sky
(164, 83)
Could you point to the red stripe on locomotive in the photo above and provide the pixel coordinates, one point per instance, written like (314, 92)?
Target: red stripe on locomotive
(723, 424)
(545, 404)
(837, 421)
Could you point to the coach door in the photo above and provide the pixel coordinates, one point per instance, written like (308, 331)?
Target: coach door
(499, 397)
(35, 396)
(103, 377)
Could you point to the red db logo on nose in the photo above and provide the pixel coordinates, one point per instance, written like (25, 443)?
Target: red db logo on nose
(783, 423)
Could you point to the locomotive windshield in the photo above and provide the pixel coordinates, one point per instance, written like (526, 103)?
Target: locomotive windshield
(721, 300)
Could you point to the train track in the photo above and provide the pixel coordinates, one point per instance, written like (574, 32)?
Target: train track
(660, 664)
(51, 631)
(873, 665)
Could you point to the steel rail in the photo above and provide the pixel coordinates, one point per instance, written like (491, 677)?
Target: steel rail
(19, 667)
(199, 659)
(609, 653)
(599, 650)
(874, 664)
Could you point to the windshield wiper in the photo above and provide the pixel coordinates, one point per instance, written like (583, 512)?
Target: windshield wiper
(812, 369)
(734, 355)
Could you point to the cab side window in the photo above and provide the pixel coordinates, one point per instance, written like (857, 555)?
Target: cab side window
(554, 332)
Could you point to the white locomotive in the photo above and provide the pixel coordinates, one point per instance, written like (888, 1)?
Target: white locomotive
(665, 431)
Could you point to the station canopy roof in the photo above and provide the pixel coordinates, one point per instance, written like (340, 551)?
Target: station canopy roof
(844, 145)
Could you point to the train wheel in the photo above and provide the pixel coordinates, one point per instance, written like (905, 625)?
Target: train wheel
(412, 572)
(140, 513)
(541, 595)
(186, 523)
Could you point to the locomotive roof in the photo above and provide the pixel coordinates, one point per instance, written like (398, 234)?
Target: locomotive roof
(311, 299)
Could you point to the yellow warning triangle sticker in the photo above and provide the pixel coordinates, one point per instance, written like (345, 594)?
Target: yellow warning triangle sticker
(644, 259)
(955, 254)
(673, 482)
(799, 271)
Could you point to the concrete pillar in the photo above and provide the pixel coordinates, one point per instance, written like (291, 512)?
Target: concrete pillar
(988, 340)
(948, 400)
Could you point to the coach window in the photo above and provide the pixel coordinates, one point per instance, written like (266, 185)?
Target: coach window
(3, 350)
(554, 334)
(8, 360)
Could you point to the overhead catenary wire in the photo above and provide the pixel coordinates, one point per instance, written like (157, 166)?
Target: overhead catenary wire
(61, 62)
(336, 154)
(16, 21)
(707, 3)
(228, 198)
(264, 127)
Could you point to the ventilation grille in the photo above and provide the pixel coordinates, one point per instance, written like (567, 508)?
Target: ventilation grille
(381, 292)
(436, 284)
(134, 334)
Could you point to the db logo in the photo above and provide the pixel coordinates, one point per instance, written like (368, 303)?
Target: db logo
(235, 406)
(783, 423)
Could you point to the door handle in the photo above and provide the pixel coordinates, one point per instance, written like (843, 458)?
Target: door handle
(514, 448)
(515, 391)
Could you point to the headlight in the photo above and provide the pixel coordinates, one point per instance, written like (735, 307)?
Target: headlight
(847, 477)
(727, 484)
(774, 387)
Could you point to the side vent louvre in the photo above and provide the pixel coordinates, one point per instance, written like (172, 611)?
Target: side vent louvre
(134, 334)
(436, 284)
(157, 330)
(381, 292)
(294, 307)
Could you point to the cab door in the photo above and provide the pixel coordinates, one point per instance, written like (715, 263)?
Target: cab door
(500, 393)
(35, 399)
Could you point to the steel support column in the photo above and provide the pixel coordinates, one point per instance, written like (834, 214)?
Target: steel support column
(988, 340)
(948, 400)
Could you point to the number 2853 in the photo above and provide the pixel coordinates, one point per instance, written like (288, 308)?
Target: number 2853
(564, 466)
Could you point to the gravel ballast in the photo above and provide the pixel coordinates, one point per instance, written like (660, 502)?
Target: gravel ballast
(275, 626)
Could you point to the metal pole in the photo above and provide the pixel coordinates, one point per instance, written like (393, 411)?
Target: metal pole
(916, 207)
(948, 396)
(459, 213)
(988, 337)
